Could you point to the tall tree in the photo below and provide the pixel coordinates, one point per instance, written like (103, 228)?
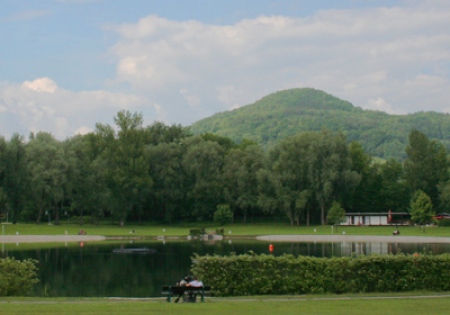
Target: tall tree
(426, 165)
(169, 190)
(202, 163)
(86, 173)
(158, 132)
(3, 158)
(15, 176)
(47, 170)
(360, 199)
(128, 175)
(240, 170)
(288, 165)
(330, 173)
(394, 193)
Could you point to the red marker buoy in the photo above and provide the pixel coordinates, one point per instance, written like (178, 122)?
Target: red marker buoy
(270, 248)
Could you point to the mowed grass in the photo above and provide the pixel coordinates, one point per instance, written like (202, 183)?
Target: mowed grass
(394, 305)
(234, 230)
(398, 304)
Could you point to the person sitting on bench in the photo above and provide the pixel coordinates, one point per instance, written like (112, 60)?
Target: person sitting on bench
(182, 283)
(196, 284)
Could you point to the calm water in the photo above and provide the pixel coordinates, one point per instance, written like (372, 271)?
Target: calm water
(93, 270)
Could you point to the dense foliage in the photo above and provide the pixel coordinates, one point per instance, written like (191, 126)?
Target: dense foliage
(250, 274)
(290, 112)
(164, 173)
(17, 277)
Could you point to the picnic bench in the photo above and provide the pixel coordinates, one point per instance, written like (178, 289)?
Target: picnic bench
(171, 291)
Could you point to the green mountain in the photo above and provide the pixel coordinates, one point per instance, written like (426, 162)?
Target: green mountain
(286, 113)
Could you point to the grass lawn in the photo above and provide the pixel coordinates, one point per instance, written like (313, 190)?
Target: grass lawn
(395, 304)
(333, 305)
(234, 230)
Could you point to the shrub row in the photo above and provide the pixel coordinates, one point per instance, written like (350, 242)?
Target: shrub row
(17, 277)
(250, 274)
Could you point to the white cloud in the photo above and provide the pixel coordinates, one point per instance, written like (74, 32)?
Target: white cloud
(41, 85)
(393, 59)
(366, 56)
(380, 104)
(40, 105)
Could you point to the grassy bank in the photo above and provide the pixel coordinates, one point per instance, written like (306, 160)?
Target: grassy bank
(335, 305)
(230, 230)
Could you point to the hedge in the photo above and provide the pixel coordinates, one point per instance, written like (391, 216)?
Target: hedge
(17, 277)
(251, 274)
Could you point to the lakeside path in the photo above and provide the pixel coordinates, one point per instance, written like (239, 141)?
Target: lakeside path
(268, 238)
(50, 238)
(353, 238)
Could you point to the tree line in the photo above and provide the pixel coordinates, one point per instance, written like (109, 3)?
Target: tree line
(131, 172)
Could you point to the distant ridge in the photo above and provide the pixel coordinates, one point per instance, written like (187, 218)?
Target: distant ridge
(286, 113)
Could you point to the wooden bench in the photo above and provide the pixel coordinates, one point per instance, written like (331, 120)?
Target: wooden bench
(171, 291)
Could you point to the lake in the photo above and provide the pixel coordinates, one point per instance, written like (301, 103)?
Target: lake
(93, 270)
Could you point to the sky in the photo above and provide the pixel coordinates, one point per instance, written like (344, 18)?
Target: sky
(66, 65)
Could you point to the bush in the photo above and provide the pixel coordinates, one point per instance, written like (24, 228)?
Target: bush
(17, 277)
(443, 222)
(250, 274)
(197, 231)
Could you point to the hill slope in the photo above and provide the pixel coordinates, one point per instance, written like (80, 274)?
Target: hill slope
(289, 112)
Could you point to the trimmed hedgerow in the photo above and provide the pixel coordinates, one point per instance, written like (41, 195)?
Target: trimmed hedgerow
(252, 274)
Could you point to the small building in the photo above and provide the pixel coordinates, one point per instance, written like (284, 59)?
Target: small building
(441, 216)
(376, 218)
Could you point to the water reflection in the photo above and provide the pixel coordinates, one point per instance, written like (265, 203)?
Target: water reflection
(92, 269)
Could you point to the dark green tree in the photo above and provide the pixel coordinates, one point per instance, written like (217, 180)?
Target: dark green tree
(158, 132)
(128, 168)
(426, 165)
(240, 169)
(394, 193)
(87, 191)
(3, 195)
(168, 193)
(46, 166)
(329, 170)
(202, 164)
(15, 178)
(288, 176)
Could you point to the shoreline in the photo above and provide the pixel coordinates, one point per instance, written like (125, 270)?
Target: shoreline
(354, 238)
(266, 238)
(50, 238)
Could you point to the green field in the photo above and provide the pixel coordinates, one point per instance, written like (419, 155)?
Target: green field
(333, 305)
(235, 230)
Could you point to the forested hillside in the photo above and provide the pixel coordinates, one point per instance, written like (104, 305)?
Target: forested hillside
(290, 112)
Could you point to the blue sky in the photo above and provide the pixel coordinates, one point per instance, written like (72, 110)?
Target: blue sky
(67, 64)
